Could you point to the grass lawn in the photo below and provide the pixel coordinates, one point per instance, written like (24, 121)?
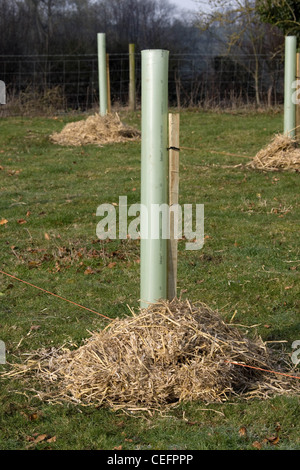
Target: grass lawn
(248, 269)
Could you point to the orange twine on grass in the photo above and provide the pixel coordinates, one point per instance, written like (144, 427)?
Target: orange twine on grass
(55, 295)
(108, 318)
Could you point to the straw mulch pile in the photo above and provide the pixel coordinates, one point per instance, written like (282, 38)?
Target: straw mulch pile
(281, 154)
(96, 129)
(168, 353)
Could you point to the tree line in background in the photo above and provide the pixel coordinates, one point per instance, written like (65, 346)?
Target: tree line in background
(71, 26)
(230, 32)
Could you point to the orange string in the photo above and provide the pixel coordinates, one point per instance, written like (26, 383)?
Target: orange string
(55, 295)
(264, 370)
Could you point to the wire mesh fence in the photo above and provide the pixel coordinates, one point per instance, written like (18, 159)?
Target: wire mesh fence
(70, 82)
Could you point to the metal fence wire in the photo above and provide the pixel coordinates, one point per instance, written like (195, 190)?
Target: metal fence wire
(194, 80)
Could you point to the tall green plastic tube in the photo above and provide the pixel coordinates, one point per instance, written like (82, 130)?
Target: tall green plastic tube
(102, 73)
(154, 173)
(289, 78)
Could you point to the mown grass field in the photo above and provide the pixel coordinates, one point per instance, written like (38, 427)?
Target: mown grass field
(248, 270)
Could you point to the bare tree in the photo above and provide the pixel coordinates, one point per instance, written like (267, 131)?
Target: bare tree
(239, 29)
(145, 22)
(285, 14)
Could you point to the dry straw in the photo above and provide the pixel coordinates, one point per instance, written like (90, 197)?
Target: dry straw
(96, 129)
(281, 154)
(171, 352)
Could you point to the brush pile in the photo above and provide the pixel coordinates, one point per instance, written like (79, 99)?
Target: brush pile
(96, 129)
(281, 154)
(168, 353)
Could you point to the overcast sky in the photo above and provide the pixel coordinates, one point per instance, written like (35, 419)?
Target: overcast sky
(186, 4)
(191, 5)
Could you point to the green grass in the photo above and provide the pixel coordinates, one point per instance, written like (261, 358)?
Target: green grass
(247, 268)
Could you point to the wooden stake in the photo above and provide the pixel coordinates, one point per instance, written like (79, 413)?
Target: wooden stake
(174, 121)
(298, 105)
(108, 85)
(132, 98)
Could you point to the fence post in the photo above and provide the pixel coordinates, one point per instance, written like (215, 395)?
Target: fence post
(108, 85)
(132, 97)
(102, 73)
(289, 78)
(154, 175)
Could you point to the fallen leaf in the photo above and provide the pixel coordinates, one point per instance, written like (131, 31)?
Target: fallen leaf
(111, 265)
(89, 270)
(35, 327)
(3, 222)
(40, 438)
(243, 431)
(33, 417)
(272, 440)
(36, 438)
(33, 264)
(22, 221)
(257, 445)
(117, 448)
(47, 237)
(14, 172)
(278, 427)
(57, 267)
